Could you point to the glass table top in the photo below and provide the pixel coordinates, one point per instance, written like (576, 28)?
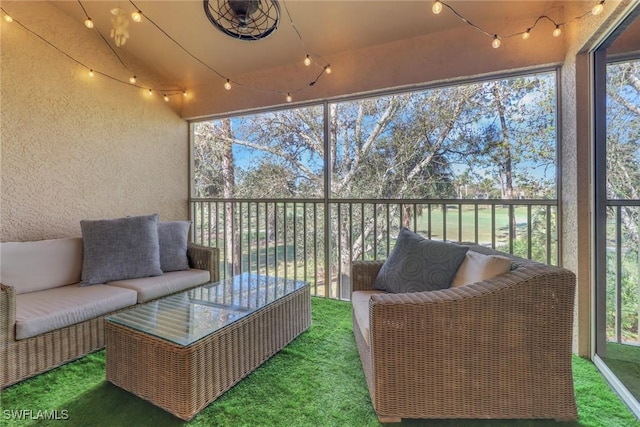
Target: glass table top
(186, 317)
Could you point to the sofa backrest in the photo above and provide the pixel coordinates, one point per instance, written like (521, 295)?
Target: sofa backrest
(39, 265)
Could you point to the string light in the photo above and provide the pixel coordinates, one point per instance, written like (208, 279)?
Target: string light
(597, 9)
(90, 71)
(497, 39)
(437, 7)
(184, 93)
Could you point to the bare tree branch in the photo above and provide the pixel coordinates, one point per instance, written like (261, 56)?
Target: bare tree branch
(277, 152)
(633, 108)
(381, 124)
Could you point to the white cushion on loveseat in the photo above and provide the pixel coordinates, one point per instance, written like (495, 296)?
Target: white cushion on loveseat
(50, 309)
(477, 267)
(149, 288)
(39, 265)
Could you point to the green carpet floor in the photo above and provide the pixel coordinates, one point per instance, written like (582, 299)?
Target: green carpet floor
(624, 362)
(317, 380)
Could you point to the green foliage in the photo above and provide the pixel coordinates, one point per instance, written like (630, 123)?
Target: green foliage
(623, 130)
(623, 183)
(403, 145)
(629, 302)
(490, 138)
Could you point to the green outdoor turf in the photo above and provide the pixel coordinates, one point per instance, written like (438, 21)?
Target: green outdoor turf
(624, 361)
(317, 380)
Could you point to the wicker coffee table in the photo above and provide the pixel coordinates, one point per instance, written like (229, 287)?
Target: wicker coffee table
(183, 351)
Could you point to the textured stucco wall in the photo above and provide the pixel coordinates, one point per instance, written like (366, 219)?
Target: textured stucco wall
(75, 147)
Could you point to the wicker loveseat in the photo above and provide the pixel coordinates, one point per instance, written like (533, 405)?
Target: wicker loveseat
(60, 332)
(499, 348)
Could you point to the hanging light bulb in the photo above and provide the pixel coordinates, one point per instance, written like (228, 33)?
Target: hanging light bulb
(289, 99)
(496, 42)
(136, 16)
(327, 69)
(307, 61)
(437, 7)
(227, 85)
(132, 80)
(90, 73)
(184, 93)
(557, 31)
(526, 34)
(597, 9)
(166, 98)
(150, 92)
(88, 22)
(8, 18)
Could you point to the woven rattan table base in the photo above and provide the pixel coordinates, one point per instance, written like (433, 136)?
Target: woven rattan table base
(184, 380)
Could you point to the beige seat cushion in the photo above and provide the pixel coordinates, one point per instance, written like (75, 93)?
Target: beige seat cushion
(477, 267)
(149, 288)
(44, 311)
(360, 302)
(38, 265)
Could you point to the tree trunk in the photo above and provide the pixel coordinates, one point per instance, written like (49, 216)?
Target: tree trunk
(232, 254)
(507, 162)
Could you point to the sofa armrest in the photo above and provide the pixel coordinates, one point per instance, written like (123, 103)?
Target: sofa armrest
(363, 274)
(7, 315)
(490, 337)
(205, 258)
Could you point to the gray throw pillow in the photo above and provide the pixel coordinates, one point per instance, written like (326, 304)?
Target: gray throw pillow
(121, 248)
(173, 237)
(417, 264)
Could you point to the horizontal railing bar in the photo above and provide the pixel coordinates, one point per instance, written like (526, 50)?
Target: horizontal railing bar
(623, 202)
(480, 202)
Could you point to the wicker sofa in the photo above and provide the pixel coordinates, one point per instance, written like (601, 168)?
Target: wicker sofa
(499, 348)
(44, 325)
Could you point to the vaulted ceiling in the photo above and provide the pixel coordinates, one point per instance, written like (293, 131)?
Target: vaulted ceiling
(326, 28)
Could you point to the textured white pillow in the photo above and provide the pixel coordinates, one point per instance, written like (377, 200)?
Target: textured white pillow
(477, 267)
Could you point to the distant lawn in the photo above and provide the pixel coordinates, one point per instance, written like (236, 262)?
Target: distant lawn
(485, 225)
